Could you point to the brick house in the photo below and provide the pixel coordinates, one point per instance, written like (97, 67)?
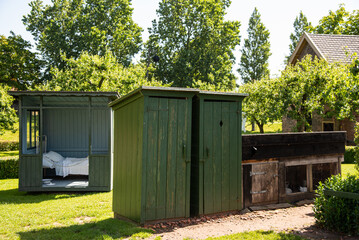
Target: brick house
(333, 48)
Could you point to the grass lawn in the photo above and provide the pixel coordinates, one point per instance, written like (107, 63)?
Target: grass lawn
(60, 216)
(76, 216)
(9, 155)
(347, 169)
(275, 127)
(10, 136)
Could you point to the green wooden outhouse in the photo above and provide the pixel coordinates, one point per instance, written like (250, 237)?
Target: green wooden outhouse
(152, 154)
(65, 140)
(216, 184)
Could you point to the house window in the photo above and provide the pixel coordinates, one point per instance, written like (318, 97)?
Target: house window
(328, 126)
(32, 126)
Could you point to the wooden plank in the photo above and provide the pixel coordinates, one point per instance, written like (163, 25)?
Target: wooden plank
(340, 194)
(171, 159)
(181, 164)
(225, 156)
(217, 157)
(161, 180)
(234, 157)
(311, 160)
(152, 155)
(208, 173)
(292, 145)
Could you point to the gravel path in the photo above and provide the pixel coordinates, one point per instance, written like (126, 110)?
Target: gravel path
(298, 220)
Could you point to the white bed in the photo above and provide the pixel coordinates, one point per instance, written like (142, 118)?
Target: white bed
(65, 166)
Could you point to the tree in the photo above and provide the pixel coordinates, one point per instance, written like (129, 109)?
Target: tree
(256, 50)
(300, 25)
(339, 22)
(316, 86)
(19, 67)
(192, 42)
(263, 104)
(97, 73)
(72, 26)
(333, 23)
(7, 113)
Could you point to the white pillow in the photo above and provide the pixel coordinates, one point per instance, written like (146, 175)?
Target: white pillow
(53, 156)
(47, 163)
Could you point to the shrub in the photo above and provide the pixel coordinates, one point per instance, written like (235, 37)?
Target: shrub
(9, 168)
(9, 145)
(349, 155)
(337, 213)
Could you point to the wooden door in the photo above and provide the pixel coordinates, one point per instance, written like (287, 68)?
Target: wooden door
(264, 179)
(168, 158)
(221, 157)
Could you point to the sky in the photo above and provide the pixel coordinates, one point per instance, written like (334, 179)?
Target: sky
(277, 15)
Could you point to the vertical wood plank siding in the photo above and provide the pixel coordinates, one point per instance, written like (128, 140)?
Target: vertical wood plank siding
(127, 179)
(67, 131)
(30, 169)
(168, 169)
(220, 189)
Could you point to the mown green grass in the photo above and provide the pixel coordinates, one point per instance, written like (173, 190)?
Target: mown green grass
(60, 216)
(9, 155)
(258, 235)
(348, 169)
(10, 136)
(275, 127)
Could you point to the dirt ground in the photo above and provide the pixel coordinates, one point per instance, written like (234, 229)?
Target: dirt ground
(298, 220)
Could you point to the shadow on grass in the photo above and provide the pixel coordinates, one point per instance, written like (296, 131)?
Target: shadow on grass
(106, 229)
(15, 197)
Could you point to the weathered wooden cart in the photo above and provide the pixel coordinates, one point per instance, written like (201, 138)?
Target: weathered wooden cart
(287, 167)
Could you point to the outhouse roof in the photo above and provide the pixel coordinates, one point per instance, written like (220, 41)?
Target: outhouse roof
(113, 95)
(175, 90)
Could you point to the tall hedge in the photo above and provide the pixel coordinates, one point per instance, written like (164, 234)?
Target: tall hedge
(337, 213)
(9, 168)
(9, 145)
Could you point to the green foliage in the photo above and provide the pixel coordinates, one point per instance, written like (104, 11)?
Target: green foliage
(300, 25)
(19, 67)
(71, 27)
(193, 43)
(337, 213)
(7, 113)
(96, 73)
(356, 148)
(60, 216)
(9, 145)
(350, 154)
(339, 22)
(262, 106)
(256, 50)
(9, 168)
(316, 86)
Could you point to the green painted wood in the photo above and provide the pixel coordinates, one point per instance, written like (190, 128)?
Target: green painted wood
(341, 194)
(208, 156)
(219, 157)
(168, 158)
(30, 170)
(100, 178)
(69, 130)
(127, 165)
